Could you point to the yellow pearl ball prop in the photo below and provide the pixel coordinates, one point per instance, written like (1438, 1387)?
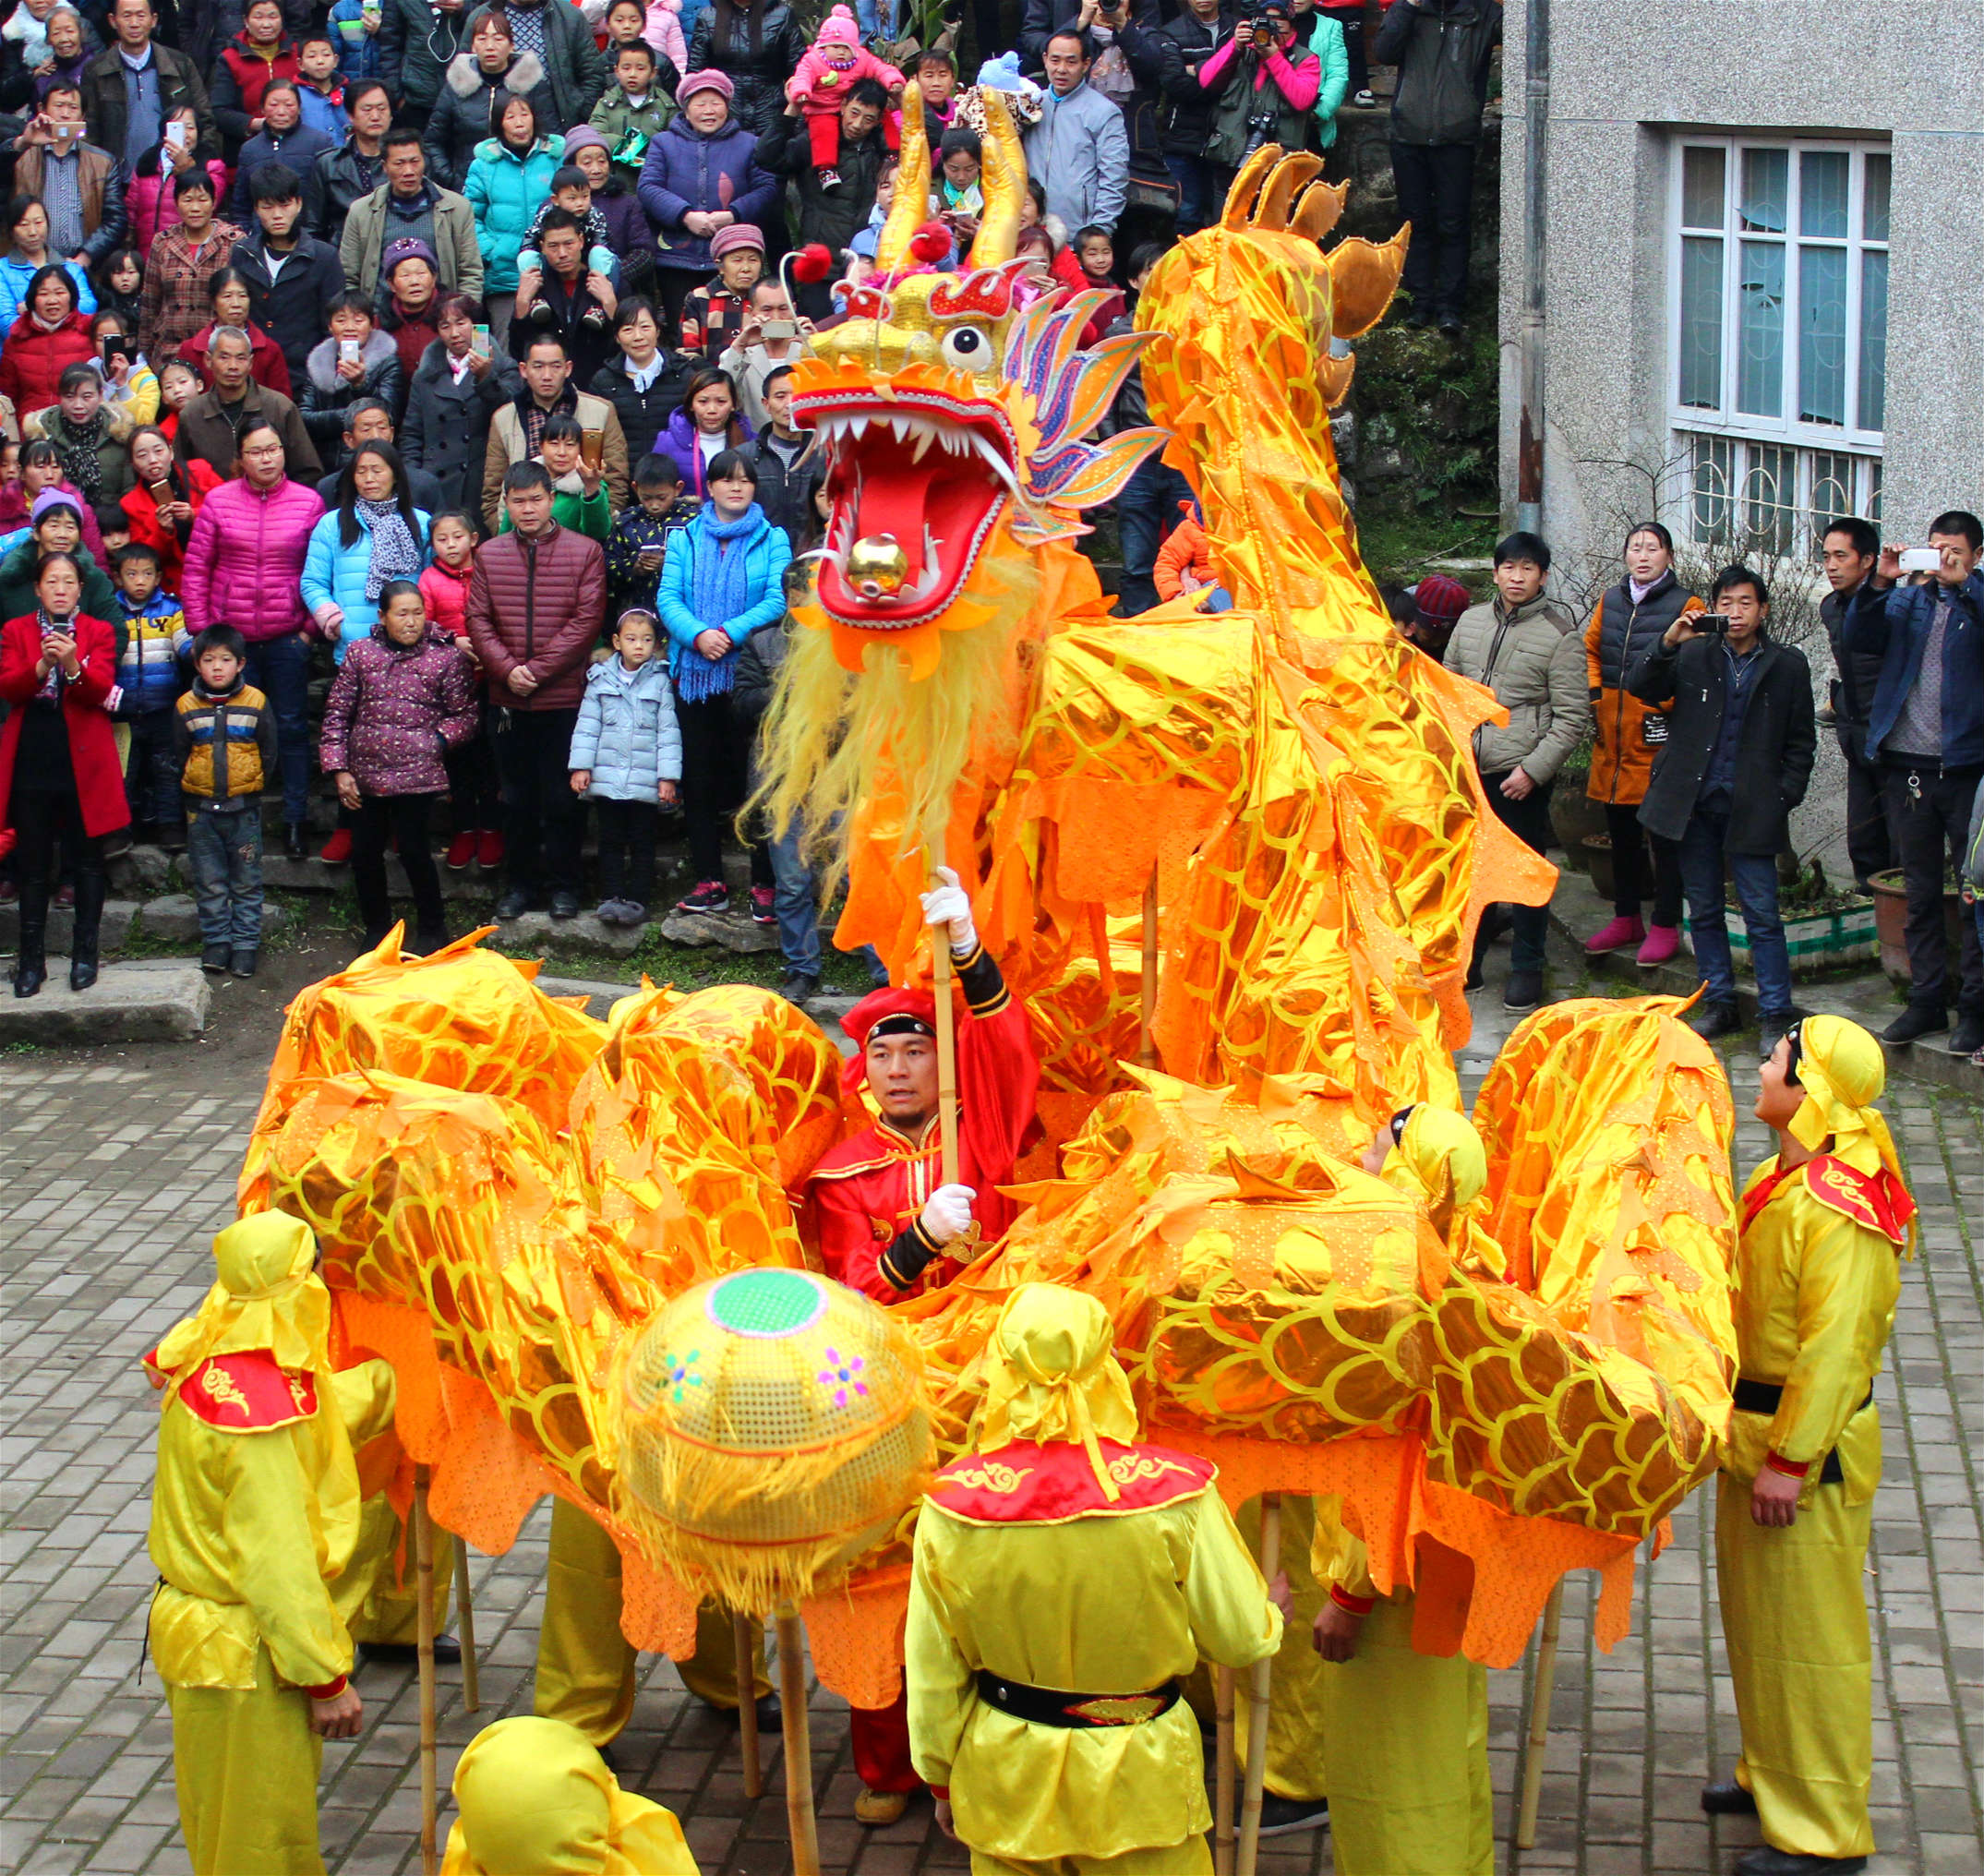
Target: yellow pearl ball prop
(877, 567)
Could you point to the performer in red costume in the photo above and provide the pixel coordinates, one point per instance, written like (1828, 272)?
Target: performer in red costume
(885, 1222)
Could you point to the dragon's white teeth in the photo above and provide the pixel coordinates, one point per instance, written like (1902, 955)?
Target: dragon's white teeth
(925, 437)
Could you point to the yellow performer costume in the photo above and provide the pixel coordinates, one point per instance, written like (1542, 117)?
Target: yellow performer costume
(1405, 1733)
(536, 1801)
(1814, 1306)
(1067, 1579)
(254, 1515)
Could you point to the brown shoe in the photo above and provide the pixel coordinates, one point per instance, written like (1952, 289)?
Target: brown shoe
(874, 1808)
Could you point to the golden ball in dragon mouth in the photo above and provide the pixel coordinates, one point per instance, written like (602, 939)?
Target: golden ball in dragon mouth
(877, 565)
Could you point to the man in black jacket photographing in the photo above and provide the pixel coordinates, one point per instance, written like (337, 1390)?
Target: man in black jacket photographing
(1741, 735)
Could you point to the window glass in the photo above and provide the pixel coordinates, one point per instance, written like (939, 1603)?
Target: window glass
(1822, 335)
(1766, 190)
(1879, 174)
(1700, 322)
(1760, 369)
(1701, 186)
(1873, 340)
(1822, 193)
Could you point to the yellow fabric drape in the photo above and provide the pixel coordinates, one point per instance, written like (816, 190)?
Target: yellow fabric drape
(246, 1764)
(1052, 1378)
(536, 1799)
(1191, 1857)
(1842, 1072)
(1793, 1608)
(264, 1297)
(1439, 1158)
(1294, 1694)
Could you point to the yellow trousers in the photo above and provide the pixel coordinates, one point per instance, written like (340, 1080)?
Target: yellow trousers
(1295, 1682)
(1405, 1756)
(1188, 1858)
(245, 1765)
(585, 1667)
(1794, 1610)
(380, 1604)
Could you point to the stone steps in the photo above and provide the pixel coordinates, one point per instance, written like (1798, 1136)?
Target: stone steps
(153, 999)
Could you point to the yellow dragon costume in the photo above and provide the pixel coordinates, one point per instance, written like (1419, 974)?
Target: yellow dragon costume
(508, 1192)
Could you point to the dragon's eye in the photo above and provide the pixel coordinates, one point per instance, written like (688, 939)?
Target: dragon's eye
(968, 348)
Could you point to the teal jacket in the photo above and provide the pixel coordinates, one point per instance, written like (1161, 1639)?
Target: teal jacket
(1326, 40)
(505, 191)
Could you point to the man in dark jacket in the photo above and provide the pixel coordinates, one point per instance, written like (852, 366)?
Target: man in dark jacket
(1850, 547)
(1167, 61)
(1927, 729)
(370, 420)
(788, 466)
(293, 277)
(416, 39)
(79, 184)
(562, 37)
(536, 601)
(833, 214)
(284, 138)
(131, 90)
(1441, 48)
(565, 297)
(342, 178)
(1741, 735)
(211, 421)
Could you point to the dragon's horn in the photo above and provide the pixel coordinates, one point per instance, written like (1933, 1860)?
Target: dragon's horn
(1320, 208)
(1002, 180)
(1247, 185)
(1363, 279)
(1288, 176)
(910, 209)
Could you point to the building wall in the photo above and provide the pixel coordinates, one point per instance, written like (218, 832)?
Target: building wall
(1623, 76)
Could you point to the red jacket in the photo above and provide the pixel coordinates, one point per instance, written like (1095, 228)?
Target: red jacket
(32, 361)
(266, 365)
(92, 745)
(446, 593)
(868, 1192)
(196, 481)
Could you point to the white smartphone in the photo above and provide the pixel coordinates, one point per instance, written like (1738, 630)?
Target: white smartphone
(176, 133)
(780, 329)
(349, 351)
(1920, 560)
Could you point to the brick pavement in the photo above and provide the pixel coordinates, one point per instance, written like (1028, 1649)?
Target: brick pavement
(113, 1180)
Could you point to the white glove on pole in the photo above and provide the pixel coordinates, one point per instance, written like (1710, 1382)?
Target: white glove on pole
(946, 1214)
(951, 905)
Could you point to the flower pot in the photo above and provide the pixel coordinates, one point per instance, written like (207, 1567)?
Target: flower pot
(1597, 852)
(1574, 816)
(1817, 941)
(1891, 922)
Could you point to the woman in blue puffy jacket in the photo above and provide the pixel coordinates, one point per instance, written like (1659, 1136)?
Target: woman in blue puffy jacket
(374, 535)
(509, 180)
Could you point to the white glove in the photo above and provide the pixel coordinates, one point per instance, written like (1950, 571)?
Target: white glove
(946, 1214)
(951, 905)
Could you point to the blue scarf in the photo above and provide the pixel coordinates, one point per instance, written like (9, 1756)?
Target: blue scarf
(719, 589)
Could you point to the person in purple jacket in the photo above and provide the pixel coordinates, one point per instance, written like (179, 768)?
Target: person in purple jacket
(701, 174)
(404, 698)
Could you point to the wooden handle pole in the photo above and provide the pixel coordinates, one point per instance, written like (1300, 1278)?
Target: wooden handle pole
(423, 1589)
(1259, 1678)
(465, 1599)
(747, 1703)
(940, 983)
(1539, 1727)
(1223, 1771)
(798, 1745)
(1147, 1044)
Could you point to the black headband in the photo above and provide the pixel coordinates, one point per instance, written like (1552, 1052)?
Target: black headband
(1398, 1121)
(1794, 1035)
(900, 1024)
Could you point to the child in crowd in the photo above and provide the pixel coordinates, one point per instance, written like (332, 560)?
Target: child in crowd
(636, 108)
(115, 525)
(571, 190)
(958, 200)
(129, 383)
(627, 756)
(475, 793)
(147, 698)
(579, 500)
(120, 284)
(863, 244)
(225, 739)
(179, 384)
(1095, 252)
(642, 535)
(320, 87)
(713, 315)
(357, 24)
(828, 70)
(402, 697)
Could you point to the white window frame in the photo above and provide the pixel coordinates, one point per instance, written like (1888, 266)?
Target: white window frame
(1746, 439)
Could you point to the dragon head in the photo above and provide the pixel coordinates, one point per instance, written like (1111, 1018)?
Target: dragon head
(951, 409)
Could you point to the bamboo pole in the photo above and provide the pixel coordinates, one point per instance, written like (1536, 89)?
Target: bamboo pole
(1259, 1678)
(1147, 1044)
(464, 1596)
(1539, 1727)
(747, 1704)
(1223, 1771)
(799, 1822)
(940, 983)
(424, 1588)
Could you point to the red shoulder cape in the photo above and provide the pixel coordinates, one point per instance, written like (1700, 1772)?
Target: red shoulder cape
(245, 1393)
(1027, 1483)
(1878, 1200)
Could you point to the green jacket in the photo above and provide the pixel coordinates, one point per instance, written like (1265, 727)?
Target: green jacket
(1328, 43)
(100, 597)
(589, 515)
(613, 118)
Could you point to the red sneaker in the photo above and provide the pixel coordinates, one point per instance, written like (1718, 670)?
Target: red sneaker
(337, 849)
(761, 906)
(709, 895)
(461, 851)
(489, 849)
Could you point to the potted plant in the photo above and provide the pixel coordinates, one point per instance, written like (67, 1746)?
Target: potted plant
(1824, 926)
(1597, 852)
(1891, 922)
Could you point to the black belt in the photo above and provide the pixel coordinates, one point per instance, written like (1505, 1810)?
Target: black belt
(1763, 1397)
(1081, 1712)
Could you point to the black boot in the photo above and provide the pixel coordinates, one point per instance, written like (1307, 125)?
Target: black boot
(90, 888)
(31, 967)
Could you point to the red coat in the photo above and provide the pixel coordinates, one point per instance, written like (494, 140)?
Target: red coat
(141, 509)
(92, 747)
(266, 365)
(870, 1189)
(32, 361)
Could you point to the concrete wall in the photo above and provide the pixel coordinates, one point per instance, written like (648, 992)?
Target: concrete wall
(1623, 76)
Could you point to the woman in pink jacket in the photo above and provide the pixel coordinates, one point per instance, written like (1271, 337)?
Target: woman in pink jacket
(243, 568)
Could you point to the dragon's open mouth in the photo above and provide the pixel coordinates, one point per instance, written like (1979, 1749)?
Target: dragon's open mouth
(916, 481)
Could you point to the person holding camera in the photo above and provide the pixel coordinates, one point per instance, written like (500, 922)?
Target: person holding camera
(1266, 83)
(1178, 52)
(80, 186)
(1923, 613)
(1741, 736)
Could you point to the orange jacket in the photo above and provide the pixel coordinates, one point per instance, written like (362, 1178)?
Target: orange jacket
(1622, 756)
(1183, 565)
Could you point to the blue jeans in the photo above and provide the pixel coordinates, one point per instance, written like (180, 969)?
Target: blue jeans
(793, 903)
(1756, 893)
(225, 855)
(1199, 197)
(279, 670)
(1146, 511)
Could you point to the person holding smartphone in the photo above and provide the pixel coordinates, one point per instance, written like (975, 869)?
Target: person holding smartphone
(80, 186)
(772, 338)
